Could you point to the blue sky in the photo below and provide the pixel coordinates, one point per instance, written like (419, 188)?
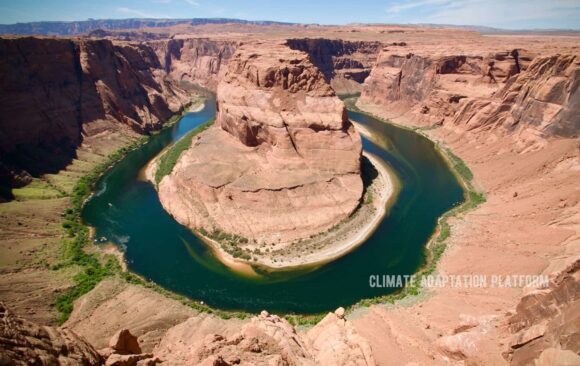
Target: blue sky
(514, 14)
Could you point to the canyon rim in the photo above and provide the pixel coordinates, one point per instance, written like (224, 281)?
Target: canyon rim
(279, 180)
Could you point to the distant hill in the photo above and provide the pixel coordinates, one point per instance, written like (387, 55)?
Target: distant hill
(85, 26)
(490, 30)
(62, 28)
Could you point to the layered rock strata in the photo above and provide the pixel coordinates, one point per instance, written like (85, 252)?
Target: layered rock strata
(544, 99)
(514, 89)
(345, 64)
(194, 60)
(282, 161)
(546, 324)
(55, 92)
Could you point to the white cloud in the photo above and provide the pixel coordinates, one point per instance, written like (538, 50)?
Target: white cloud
(135, 12)
(192, 2)
(485, 12)
(408, 5)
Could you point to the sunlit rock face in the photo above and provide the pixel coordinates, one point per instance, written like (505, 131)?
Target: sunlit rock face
(517, 91)
(282, 161)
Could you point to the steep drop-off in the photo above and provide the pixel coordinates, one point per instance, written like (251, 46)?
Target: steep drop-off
(345, 64)
(544, 98)
(281, 163)
(546, 323)
(514, 89)
(55, 92)
(194, 60)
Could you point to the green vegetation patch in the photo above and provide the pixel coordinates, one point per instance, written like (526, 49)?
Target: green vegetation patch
(460, 167)
(92, 268)
(134, 279)
(229, 242)
(37, 189)
(167, 161)
(304, 320)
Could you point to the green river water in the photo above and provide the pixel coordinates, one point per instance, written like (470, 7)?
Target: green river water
(127, 211)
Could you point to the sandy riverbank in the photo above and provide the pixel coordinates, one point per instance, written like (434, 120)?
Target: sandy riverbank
(148, 171)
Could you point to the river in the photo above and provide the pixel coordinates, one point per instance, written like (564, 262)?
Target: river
(126, 211)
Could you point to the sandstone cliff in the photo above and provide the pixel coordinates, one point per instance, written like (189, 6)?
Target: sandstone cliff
(56, 91)
(345, 64)
(428, 88)
(194, 60)
(282, 161)
(544, 98)
(267, 340)
(514, 89)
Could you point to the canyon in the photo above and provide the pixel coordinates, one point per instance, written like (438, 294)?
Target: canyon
(507, 105)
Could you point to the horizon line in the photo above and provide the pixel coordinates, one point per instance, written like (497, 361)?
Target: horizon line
(299, 23)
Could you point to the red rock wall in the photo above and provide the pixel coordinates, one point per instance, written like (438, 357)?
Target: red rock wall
(505, 89)
(345, 64)
(55, 91)
(544, 98)
(195, 60)
(546, 323)
(25, 343)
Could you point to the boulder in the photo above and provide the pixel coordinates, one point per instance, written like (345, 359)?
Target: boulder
(125, 343)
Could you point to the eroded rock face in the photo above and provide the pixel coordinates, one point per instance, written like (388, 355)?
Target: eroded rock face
(270, 340)
(194, 60)
(123, 342)
(546, 325)
(429, 88)
(25, 343)
(55, 91)
(282, 161)
(345, 64)
(544, 98)
(513, 89)
(335, 341)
